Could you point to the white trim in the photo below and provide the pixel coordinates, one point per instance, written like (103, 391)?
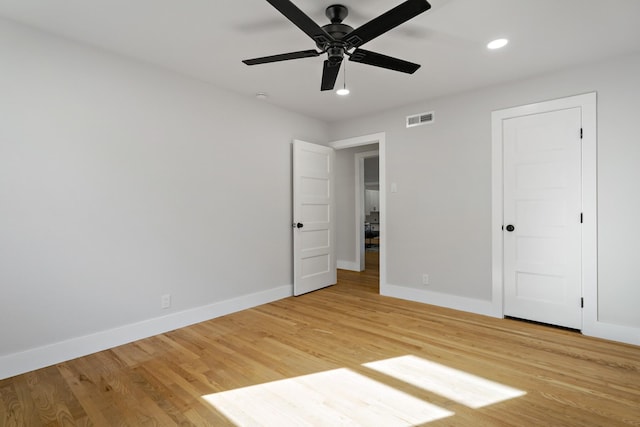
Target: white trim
(497, 202)
(357, 141)
(591, 325)
(454, 302)
(40, 357)
(348, 265)
(380, 139)
(622, 333)
(359, 198)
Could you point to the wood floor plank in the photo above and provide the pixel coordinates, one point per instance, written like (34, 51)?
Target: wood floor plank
(25, 411)
(85, 391)
(51, 397)
(12, 411)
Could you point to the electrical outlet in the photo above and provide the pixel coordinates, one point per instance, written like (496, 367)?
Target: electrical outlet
(425, 279)
(165, 301)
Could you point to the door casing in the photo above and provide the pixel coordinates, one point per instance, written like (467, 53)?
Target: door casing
(380, 139)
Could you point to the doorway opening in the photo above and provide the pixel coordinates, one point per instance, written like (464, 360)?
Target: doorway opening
(368, 208)
(360, 259)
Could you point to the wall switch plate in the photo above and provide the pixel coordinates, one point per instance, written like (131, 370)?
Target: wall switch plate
(394, 187)
(165, 301)
(425, 279)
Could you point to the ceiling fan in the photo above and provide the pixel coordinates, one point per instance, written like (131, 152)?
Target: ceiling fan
(337, 39)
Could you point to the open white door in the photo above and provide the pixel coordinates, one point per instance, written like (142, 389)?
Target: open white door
(314, 262)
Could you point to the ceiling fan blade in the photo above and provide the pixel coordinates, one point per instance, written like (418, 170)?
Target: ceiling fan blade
(384, 61)
(282, 57)
(302, 21)
(330, 74)
(385, 22)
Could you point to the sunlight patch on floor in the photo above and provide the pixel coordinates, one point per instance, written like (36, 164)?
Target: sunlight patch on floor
(337, 397)
(459, 386)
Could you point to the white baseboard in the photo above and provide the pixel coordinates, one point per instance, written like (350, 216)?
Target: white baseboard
(347, 265)
(29, 360)
(608, 331)
(596, 329)
(454, 302)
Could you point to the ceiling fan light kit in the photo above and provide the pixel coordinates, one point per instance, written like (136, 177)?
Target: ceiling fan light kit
(337, 39)
(343, 91)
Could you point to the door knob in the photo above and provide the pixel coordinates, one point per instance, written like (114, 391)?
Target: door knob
(510, 228)
(298, 225)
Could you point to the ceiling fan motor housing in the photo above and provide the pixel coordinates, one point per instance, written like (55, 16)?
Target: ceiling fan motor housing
(336, 54)
(337, 31)
(336, 48)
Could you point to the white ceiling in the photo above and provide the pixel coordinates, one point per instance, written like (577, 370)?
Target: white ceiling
(207, 39)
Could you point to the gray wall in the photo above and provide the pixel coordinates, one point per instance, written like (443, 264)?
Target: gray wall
(372, 171)
(439, 220)
(120, 182)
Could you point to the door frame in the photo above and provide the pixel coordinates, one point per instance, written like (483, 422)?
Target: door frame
(380, 139)
(589, 268)
(359, 198)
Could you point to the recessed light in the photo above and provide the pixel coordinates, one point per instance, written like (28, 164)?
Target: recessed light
(261, 95)
(497, 44)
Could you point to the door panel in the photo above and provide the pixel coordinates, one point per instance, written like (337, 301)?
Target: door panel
(542, 201)
(313, 206)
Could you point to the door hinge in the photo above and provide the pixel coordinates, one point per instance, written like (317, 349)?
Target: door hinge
(581, 133)
(581, 302)
(581, 217)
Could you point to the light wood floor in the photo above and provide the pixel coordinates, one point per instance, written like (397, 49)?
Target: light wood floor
(567, 379)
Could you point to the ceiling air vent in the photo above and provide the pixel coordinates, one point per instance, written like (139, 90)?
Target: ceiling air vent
(419, 119)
